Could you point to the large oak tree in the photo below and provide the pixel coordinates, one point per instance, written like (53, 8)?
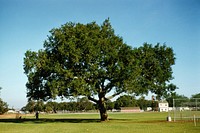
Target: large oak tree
(91, 60)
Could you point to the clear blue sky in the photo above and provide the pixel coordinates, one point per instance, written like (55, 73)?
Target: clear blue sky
(25, 24)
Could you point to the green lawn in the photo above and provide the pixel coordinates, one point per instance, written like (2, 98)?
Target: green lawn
(89, 123)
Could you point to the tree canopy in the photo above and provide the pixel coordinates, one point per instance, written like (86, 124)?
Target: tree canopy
(91, 60)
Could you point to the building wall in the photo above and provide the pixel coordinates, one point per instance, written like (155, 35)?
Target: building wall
(130, 109)
(163, 107)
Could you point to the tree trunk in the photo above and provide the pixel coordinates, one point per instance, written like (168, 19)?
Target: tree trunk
(103, 111)
(37, 115)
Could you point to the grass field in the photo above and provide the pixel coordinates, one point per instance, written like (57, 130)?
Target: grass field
(153, 122)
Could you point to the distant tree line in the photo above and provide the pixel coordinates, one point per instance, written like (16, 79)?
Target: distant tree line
(84, 105)
(3, 105)
(183, 101)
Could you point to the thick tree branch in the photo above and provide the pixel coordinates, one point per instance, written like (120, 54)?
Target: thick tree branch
(92, 99)
(114, 95)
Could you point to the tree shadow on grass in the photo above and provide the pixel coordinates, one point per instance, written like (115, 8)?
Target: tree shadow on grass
(45, 120)
(74, 120)
(137, 121)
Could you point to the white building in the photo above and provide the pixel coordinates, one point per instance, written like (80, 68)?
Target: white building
(149, 108)
(163, 106)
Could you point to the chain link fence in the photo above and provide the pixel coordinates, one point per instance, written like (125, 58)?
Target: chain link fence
(186, 110)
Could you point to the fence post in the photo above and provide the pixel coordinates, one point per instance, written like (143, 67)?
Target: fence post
(174, 109)
(195, 124)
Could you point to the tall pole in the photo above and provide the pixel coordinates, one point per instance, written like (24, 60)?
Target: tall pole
(174, 108)
(196, 103)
